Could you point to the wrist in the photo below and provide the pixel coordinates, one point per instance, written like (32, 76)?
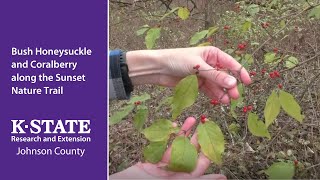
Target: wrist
(145, 66)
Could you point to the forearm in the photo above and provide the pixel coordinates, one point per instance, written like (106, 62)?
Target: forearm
(145, 66)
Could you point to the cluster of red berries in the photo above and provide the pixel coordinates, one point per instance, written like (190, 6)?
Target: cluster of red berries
(274, 74)
(214, 102)
(137, 103)
(226, 27)
(247, 108)
(275, 50)
(196, 67)
(253, 73)
(203, 118)
(242, 46)
(265, 24)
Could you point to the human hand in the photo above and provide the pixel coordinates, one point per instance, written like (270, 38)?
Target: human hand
(167, 67)
(152, 171)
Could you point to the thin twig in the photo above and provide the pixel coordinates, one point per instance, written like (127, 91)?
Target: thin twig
(299, 64)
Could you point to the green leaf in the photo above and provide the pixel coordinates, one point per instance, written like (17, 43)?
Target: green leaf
(185, 94)
(169, 13)
(160, 130)
(269, 57)
(152, 35)
(140, 117)
(280, 170)
(246, 26)
(253, 9)
(165, 101)
(142, 30)
(212, 31)
(240, 89)
(141, 98)
(198, 36)
(272, 108)
(248, 58)
(257, 127)
(204, 44)
(315, 12)
(183, 13)
(229, 51)
(290, 105)
(291, 62)
(211, 141)
(183, 155)
(238, 102)
(122, 113)
(154, 151)
(282, 24)
(234, 128)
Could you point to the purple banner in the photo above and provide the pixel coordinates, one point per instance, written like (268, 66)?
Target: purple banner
(53, 91)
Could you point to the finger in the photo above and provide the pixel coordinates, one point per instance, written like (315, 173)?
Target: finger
(215, 92)
(184, 131)
(219, 77)
(214, 177)
(194, 141)
(233, 93)
(203, 164)
(216, 55)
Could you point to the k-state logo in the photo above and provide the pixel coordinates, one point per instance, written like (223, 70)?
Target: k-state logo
(50, 126)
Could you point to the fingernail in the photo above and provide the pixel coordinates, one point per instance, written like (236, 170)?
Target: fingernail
(230, 81)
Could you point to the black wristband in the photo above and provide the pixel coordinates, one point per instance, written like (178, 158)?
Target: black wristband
(125, 73)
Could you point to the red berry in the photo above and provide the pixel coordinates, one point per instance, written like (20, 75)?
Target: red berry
(252, 73)
(275, 50)
(203, 118)
(245, 109)
(271, 75)
(203, 121)
(242, 46)
(214, 102)
(249, 108)
(296, 162)
(263, 71)
(276, 73)
(265, 25)
(196, 67)
(226, 27)
(280, 86)
(137, 102)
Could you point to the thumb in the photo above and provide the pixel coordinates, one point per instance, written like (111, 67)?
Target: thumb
(214, 177)
(220, 78)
